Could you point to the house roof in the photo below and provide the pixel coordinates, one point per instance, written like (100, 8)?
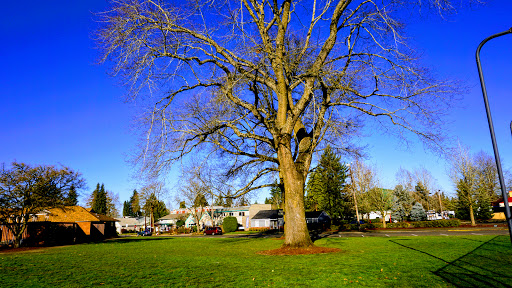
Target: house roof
(103, 218)
(315, 214)
(172, 217)
(233, 209)
(72, 214)
(268, 214)
(500, 201)
(128, 221)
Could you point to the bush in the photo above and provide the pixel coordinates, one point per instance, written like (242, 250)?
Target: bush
(334, 228)
(398, 225)
(436, 223)
(230, 224)
(180, 223)
(182, 230)
(418, 224)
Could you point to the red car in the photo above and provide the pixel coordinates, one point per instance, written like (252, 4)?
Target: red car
(213, 231)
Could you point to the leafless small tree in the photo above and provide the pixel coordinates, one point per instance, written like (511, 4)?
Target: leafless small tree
(363, 180)
(382, 201)
(420, 178)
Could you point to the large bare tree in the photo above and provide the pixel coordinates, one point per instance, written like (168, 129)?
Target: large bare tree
(263, 84)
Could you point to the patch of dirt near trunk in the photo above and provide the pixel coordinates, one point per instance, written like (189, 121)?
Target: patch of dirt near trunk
(300, 251)
(9, 250)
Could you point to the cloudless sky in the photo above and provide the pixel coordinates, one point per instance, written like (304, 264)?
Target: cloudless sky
(58, 107)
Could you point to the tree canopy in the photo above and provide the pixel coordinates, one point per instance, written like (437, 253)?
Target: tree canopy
(260, 85)
(26, 190)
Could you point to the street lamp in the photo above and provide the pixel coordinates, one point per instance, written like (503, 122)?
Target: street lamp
(491, 129)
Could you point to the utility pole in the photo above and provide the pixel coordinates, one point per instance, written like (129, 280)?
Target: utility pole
(440, 203)
(352, 184)
(491, 129)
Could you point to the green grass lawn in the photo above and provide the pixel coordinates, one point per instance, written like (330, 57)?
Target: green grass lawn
(483, 261)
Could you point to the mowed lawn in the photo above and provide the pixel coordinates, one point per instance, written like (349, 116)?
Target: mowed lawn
(465, 261)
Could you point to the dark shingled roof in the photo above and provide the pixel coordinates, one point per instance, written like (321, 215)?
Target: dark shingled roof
(267, 214)
(313, 214)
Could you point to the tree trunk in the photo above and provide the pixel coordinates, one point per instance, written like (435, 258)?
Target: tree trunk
(383, 220)
(472, 215)
(295, 227)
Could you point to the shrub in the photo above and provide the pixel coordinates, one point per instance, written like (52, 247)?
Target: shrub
(436, 223)
(230, 224)
(182, 230)
(418, 224)
(180, 223)
(334, 228)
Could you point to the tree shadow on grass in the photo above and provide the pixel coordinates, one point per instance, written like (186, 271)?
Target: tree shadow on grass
(488, 265)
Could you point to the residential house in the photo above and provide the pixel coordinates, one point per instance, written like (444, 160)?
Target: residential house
(272, 219)
(318, 220)
(204, 221)
(241, 214)
(169, 221)
(93, 225)
(63, 225)
(498, 207)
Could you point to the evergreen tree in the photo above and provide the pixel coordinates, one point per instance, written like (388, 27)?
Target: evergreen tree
(218, 201)
(483, 208)
(99, 200)
(276, 196)
(326, 186)
(183, 205)
(422, 195)
(229, 200)
(403, 204)
(242, 201)
(200, 201)
(465, 202)
(135, 204)
(102, 201)
(91, 202)
(418, 213)
(127, 209)
(155, 207)
(314, 189)
(399, 213)
(111, 200)
(72, 197)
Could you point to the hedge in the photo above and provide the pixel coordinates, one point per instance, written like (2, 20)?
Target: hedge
(417, 224)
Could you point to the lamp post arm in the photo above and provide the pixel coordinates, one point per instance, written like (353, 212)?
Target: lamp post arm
(491, 129)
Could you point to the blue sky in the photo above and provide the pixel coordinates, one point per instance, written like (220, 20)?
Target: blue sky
(57, 106)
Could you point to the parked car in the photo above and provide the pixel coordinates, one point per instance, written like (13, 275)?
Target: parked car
(355, 222)
(144, 233)
(213, 231)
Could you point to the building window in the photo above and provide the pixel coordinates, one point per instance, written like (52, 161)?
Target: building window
(241, 214)
(231, 214)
